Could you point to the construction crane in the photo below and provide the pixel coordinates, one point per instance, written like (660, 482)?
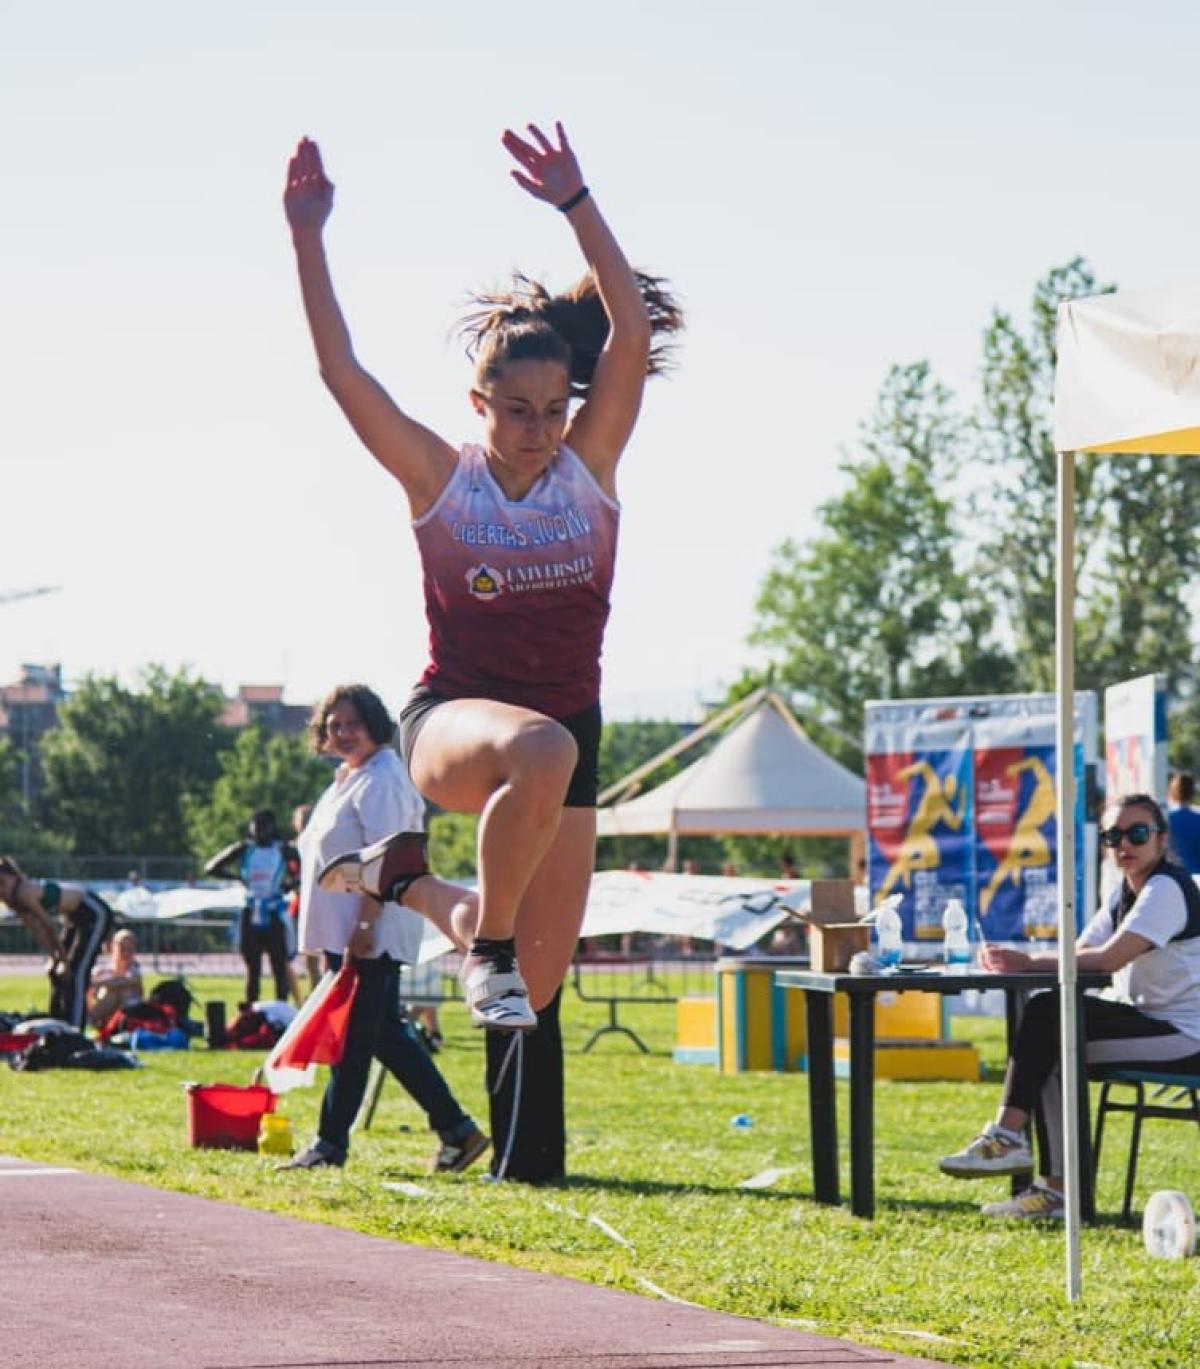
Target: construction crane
(7, 596)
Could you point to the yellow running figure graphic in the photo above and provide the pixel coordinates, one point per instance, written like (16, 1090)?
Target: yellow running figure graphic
(1028, 849)
(918, 850)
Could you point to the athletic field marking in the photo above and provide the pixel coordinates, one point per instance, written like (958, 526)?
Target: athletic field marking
(668, 1297)
(33, 1173)
(765, 1178)
(409, 1190)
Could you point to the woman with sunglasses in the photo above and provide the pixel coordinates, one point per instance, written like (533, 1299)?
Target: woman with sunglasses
(1147, 936)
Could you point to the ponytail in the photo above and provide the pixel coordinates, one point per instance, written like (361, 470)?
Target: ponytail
(529, 324)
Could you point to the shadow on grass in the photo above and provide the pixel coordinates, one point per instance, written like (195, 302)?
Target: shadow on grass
(650, 1187)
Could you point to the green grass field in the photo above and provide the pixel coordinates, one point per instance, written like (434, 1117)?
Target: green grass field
(654, 1157)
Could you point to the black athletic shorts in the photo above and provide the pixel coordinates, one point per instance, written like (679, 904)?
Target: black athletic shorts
(584, 727)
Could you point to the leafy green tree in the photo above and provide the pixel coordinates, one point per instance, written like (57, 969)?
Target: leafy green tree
(121, 762)
(876, 605)
(1137, 544)
(19, 834)
(623, 747)
(452, 844)
(258, 771)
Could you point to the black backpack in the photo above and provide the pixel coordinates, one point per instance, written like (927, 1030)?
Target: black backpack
(174, 994)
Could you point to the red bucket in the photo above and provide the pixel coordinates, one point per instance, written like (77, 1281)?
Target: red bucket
(226, 1116)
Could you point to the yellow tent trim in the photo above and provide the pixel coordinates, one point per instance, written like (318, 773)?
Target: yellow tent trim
(1181, 442)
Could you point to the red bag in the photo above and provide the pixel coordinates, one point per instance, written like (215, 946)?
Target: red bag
(318, 1035)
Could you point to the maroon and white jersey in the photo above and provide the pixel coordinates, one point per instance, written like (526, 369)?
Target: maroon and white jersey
(517, 592)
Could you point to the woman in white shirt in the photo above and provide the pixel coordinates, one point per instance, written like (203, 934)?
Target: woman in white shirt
(371, 797)
(1147, 936)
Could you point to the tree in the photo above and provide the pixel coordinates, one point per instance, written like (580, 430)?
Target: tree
(876, 605)
(120, 763)
(21, 835)
(258, 771)
(623, 747)
(1137, 545)
(452, 844)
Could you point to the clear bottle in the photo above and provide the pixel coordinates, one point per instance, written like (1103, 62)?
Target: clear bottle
(889, 935)
(956, 944)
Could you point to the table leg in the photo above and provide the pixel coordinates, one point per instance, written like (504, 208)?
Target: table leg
(822, 1102)
(862, 1104)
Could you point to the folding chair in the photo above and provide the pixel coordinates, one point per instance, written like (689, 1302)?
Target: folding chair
(1183, 1105)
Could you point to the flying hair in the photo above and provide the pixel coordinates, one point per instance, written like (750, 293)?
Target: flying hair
(528, 323)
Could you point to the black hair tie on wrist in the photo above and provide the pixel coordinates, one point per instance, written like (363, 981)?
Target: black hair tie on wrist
(578, 198)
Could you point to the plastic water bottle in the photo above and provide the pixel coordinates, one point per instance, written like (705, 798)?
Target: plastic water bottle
(741, 1122)
(956, 945)
(889, 950)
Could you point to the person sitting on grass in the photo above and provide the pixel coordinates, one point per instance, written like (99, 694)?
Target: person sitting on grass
(1147, 936)
(117, 983)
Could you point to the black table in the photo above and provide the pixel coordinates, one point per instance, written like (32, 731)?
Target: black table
(819, 989)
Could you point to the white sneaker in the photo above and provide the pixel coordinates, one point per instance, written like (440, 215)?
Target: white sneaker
(989, 1153)
(496, 994)
(1038, 1200)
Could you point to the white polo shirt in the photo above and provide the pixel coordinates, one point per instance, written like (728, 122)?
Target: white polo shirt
(1163, 982)
(359, 807)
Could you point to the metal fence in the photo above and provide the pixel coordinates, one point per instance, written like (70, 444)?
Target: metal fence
(84, 869)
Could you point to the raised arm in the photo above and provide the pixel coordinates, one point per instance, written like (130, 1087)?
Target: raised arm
(601, 427)
(226, 864)
(418, 458)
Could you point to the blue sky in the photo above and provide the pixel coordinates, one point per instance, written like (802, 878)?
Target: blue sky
(832, 188)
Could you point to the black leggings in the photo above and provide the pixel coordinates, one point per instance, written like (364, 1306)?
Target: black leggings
(1116, 1034)
(88, 928)
(253, 942)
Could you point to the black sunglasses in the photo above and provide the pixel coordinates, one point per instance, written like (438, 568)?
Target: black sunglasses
(1139, 833)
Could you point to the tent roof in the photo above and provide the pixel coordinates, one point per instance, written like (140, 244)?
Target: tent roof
(763, 776)
(1128, 375)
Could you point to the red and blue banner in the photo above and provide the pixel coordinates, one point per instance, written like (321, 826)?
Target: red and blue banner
(961, 803)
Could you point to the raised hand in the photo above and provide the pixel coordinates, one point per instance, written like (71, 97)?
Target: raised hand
(308, 195)
(551, 173)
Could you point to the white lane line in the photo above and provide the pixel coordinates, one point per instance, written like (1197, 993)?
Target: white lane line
(32, 1173)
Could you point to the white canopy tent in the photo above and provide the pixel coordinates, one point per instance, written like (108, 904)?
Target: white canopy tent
(1128, 380)
(763, 777)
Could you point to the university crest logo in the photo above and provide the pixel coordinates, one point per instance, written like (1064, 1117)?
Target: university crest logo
(483, 582)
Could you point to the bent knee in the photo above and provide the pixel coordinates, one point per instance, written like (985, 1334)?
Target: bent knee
(542, 750)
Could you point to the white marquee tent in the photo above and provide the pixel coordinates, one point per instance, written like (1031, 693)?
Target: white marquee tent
(1128, 381)
(763, 777)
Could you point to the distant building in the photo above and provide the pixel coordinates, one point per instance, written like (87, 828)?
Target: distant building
(263, 704)
(28, 710)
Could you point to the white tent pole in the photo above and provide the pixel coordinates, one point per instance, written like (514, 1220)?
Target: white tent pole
(1065, 757)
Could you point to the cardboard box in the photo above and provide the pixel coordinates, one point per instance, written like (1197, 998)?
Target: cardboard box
(833, 933)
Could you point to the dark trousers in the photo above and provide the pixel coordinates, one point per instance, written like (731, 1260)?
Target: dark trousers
(269, 939)
(380, 1030)
(539, 1149)
(86, 931)
(1117, 1035)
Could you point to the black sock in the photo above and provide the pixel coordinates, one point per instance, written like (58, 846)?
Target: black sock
(540, 1145)
(493, 947)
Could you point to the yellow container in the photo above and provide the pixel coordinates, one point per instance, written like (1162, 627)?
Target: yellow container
(900, 1059)
(275, 1135)
(761, 1026)
(695, 1030)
